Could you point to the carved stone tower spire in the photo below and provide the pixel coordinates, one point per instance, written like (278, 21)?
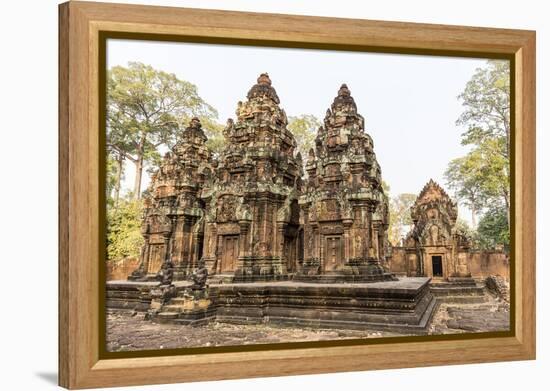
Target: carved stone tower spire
(252, 212)
(344, 207)
(173, 217)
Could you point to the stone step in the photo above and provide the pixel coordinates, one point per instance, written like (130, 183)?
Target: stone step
(457, 291)
(172, 308)
(454, 286)
(167, 315)
(462, 299)
(468, 281)
(221, 279)
(179, 301)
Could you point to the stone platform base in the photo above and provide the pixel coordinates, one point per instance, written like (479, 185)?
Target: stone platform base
(404, 306)
(343, 278)
(458, 290)
(134, 295)
(196, 317)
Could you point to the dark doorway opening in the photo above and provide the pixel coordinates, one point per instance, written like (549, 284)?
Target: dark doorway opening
(437, 266)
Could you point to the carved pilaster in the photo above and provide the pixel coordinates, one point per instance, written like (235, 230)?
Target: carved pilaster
(347, 239)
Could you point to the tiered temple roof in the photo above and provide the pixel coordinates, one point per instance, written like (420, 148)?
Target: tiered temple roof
(344, 204)
(253, 196)
(173, 212)
(433, 206)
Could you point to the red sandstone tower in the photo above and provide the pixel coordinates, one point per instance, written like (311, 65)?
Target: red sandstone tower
(252, 213)
(344, 208)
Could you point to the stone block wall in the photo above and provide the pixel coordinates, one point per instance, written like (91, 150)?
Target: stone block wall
(482, 263)
(489, 263)
(398, 261)
(121, 269)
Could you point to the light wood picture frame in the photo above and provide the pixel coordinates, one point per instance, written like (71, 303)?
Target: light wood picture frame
(83, 27)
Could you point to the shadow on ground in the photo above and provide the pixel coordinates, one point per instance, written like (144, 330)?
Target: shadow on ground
(49, 377)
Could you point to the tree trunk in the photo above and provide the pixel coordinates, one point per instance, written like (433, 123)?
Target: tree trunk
(137, 182)
(139, 166)
(474, 222)
(119, 161)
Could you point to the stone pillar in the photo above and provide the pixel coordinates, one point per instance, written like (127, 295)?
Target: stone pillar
(244, 249)
(219, 245)
(165, 247)
(209, 248)
(308, 234)
(141, 271)
(347, 239)
(375, 239)
(195, 254)
(147, 258)
(280, 241)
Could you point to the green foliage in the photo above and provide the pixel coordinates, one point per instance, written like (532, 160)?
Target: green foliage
(304, 127)
(400, 216)
(111, 177)
(214, 131)
(493, 229)
(145, 109)
(486, 102)
(463, 228)
(485, 170)
(481, 178)
(124, 230)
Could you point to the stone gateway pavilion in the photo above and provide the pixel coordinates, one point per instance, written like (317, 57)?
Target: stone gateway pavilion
(263, 235)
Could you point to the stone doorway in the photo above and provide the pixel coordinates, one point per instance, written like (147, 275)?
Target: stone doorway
(437, 265)
(230, 252)
(333, 252)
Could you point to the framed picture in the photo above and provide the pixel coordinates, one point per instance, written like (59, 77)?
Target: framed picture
(246, 195)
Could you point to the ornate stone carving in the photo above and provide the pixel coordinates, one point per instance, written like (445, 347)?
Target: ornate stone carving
(199, 277)
(242, 209)
(434, 234)
(256, 184)
(173, 209)
(166, 273)
(345, 196)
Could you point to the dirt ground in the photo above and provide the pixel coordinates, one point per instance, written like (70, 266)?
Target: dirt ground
(127, 331)
(492, 315)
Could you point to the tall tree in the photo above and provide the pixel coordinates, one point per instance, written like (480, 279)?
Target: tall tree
(124, 237)
(486, 116)
(486, 102)
(214, 131)
(400, 216)
(113, 178)
(144, 110)
(465, 176)
(304, 128)
(493, 229)
(481, 179)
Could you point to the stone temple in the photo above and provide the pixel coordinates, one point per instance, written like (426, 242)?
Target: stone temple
(264, 240)
(173, 224)
(344, 209)
(252, 217)
(434, 247)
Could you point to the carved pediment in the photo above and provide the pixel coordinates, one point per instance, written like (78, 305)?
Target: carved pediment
(227, 208)
(157, 222)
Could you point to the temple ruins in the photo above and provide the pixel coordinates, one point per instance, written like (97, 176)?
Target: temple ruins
(274, 241)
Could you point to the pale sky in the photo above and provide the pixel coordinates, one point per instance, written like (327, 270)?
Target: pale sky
(409, 102)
